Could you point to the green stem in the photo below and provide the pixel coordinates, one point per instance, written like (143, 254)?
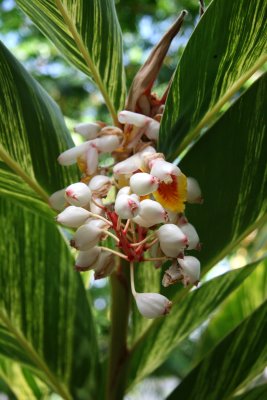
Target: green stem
(118, 351)
(210, 115)
(87, 58)
(58, 386)
(19, 171)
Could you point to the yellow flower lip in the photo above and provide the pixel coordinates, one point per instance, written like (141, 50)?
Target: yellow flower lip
(172, 196)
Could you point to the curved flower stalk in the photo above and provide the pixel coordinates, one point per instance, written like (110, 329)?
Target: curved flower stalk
(145, 218)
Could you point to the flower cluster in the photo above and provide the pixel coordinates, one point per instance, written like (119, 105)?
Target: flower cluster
(145, 218)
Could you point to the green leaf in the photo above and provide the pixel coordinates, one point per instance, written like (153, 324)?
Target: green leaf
(44, 308)
(239, 305)
(186, 315)
(240, 357)
(225, 49)
(32, 129)
(88, 34)
(229, 162)
(257, 393)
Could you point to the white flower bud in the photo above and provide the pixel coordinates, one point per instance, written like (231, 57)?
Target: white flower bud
(73, 216)
(88, 130)
(57, 200)
(152, 211)
(152, 130)
(191, 234)
(173, 217)
(78, 194)
(132, 118)
(129, 165)
(194, 195)
(172, 275)
(86, 259)
(104, 265)
(107, 144)
(100, 185)
(126, 206)
(91, 159)
(190, 269)
(142, 183)
(94, 208)
(152, 305)
(88, 235)
(70, 156)
(124, 190)
(172, 240)
(163, 170)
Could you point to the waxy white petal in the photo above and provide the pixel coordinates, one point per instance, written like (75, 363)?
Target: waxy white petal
(163, 170)
(78, 194)
(86, 259)
(126, 206)
(132, 118)
(104, 265)
(172, 275)
(152, 211)
(91, 159)
(70, 156)
(190, 268)
(152, 130)
(124, 190)
(107, 144)
(88, 235)
(191, 234)
(57, 200)
(88, 130)
(152, 305)
(94, 208)
(100, 185)
(143, 183)
(194, 195)
(73, 216)
(172, 240)
(129, 165)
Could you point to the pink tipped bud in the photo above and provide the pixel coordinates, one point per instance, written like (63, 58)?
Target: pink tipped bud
(152, 305)
(132, 118)
(152, 211)
(78, 194)
(172, 240)
(87, 236)
(129, 165)
(105, 265)
(152, 130)
(107, 144)
(194, 195)
(190, 269)
(86, 259)
(88, 130)
(100, 185)
(163, 170)
(126, 206)
(143, 183)
(57, 200)
(73, 216)
(70, 156)
(191, 234)
(91, 159)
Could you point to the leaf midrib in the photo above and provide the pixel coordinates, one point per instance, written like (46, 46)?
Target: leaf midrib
(87, 58)
(60, 388)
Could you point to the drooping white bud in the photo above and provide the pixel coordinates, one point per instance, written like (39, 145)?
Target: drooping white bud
(172, 240)
(88, 235)
(70, 156)
(152, 305)
(190, 269)
(88, 130)
(191, 234)
(194, 195)
(129, 165)
(152, 211)
(107, 144)
(142, 183)
(104, 265)
(172, 275)
(73, 217)
(91, 159)
(132, 118)
(126, 206)
(152, 130)
(78, 194)
(163, 170)
(94, 208)
(86, 259)
(124, 190)
(57, 200)
(100, 185)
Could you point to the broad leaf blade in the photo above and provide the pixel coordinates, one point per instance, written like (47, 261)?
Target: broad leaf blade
(257, 393)
(228, 43)
(43, 304)
(238, 359)
(167, 332)
(88, 34)
(32, 128)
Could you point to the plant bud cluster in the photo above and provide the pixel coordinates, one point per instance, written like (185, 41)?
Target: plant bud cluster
(145, 219)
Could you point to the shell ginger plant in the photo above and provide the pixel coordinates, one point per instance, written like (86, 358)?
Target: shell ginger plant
(124, 203)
